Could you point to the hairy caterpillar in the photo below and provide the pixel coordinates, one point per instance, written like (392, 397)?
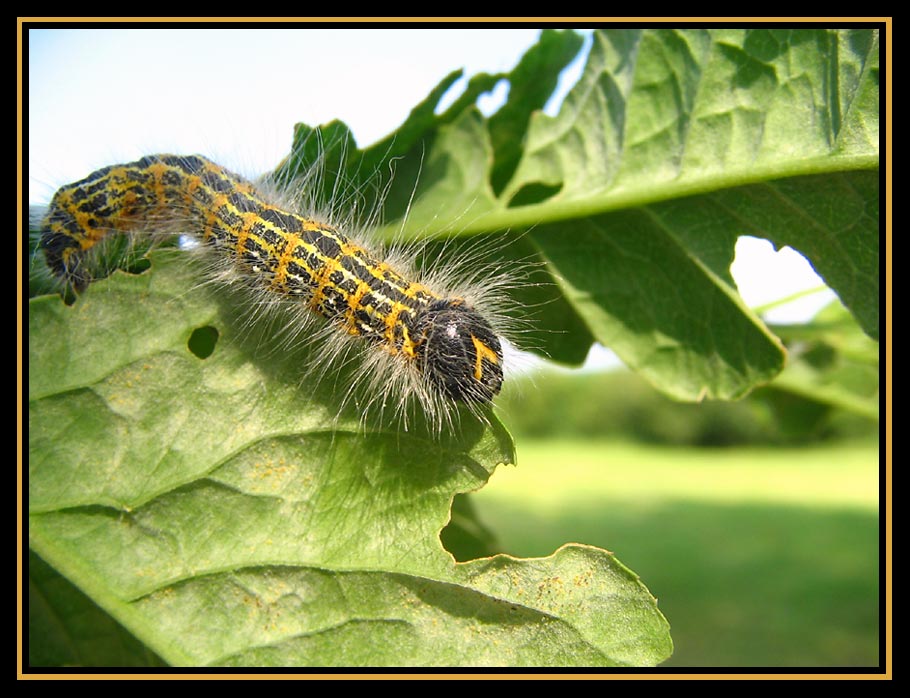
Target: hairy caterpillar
(436, 346)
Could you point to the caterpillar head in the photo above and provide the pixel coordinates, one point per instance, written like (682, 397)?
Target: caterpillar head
(459, 352)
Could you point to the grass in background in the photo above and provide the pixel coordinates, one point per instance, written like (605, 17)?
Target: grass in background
(759, 557)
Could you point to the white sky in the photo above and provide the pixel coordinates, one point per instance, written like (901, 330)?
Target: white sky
(97, 97)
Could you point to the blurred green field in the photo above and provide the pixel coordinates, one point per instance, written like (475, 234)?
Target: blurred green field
(759, 557)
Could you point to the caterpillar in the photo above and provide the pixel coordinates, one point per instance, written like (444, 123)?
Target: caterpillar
(444, 351)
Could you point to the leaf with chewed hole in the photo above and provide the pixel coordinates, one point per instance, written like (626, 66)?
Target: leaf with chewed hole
(216, 508)
(674, 143)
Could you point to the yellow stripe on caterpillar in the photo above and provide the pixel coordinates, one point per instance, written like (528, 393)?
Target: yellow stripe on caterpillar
(450, 344)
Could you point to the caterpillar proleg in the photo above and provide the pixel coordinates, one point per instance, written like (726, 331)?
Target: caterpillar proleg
(421, 342)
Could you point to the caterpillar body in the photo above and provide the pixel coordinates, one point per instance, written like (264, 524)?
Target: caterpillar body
(440, 349)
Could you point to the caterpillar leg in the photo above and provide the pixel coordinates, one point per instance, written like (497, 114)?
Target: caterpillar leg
(63, 251)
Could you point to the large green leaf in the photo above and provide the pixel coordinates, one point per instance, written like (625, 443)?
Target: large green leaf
(673, 144)
(217, 509)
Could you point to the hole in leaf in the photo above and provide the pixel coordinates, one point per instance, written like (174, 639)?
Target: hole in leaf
(202, 342)
(780, 284)
(451, 95)
(489, 102)
(466, 537)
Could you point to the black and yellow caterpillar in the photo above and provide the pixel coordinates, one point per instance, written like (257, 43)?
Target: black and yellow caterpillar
(450, 343)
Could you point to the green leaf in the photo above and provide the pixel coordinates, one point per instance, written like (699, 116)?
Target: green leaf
(531, 84)
(672, 145)
(217, 509)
